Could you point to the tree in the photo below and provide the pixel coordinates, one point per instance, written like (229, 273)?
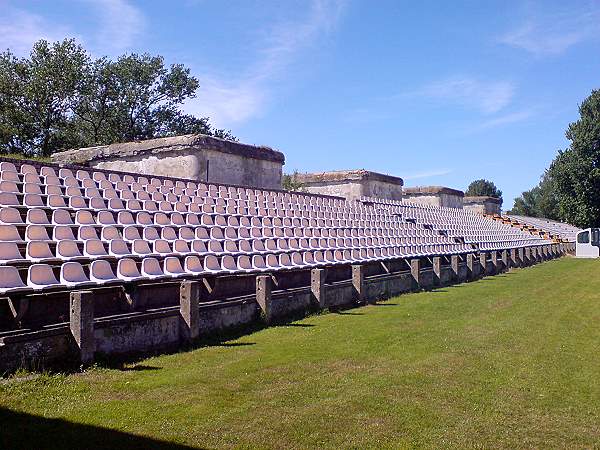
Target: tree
(483, 188)
(538, 202)
(60, 98)
(576, 170)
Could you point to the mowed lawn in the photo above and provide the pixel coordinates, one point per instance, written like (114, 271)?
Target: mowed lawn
(509, 361)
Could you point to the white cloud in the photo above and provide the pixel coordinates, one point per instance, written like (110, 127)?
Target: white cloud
(506, 119)
(227, 100)
(19, 29)
(428, 174)
(486, 96)
(553, 34)
(119, 25)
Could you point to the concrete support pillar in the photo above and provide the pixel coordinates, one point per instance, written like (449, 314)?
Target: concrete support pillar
(472, 266)
(358, 281)
(527, 257)
(454, 263)
(317, 287)
(264, 286)
(415, 271)
(504, 258)
(189, 310)
(496, 262)
(514, 257)
(483, 263)
(437, 271)
(521, 253)
(82, 324)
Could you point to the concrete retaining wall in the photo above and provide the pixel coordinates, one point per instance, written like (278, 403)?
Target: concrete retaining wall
(86, 337)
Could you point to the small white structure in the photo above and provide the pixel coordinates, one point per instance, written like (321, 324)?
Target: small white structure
(588, 243)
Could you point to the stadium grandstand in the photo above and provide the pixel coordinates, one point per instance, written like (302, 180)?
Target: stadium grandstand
(164, 251)
(560, 230)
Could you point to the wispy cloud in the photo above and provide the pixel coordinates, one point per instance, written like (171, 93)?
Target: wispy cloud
(485, 96)
(552, 34)
(231, 99)
(506, 119)
(119, 24)
(19, 29)
(428, 174)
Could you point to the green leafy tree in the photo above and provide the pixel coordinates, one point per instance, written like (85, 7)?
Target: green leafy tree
(483, 188)
(576, 170)
(60, 98)
(540, 201)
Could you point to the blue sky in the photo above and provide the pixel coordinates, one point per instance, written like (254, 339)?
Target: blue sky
(439, 93)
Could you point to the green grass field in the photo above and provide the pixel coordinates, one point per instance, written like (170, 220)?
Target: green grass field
(505, 362)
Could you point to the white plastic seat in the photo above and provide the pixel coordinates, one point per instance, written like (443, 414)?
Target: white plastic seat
(173, 268)
(228, 264)
(162, 247)
(109, 233)
(131, 233)
(87, 232)
(199, 247)
(151, 269)
(244, 264)
(67, 250)
(36, 233)
(61, 217)
(106, 218)
(62, 233)
(54, 201)
(84, 217)
(150, 234)
(127, 270)
(94, 248)
(193, 265)
(9, 253)
(12, 216)
(211, 264)
(140, 247)
(41, 276)
(272, 262)
(258, 262)
(10, 280)
(72, 274)
(143, 218)
(181, 247)
(118, 248)
(101, 272)
(187, 234)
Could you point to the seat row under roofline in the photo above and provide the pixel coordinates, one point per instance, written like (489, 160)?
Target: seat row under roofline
(41, 277)
(81, 173)
(116, 204)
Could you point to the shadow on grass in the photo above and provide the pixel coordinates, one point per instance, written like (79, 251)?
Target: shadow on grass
(295, 325)
(25, 431)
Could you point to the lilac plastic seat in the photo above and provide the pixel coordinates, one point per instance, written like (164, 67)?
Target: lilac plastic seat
(41, 277)
(72, 275)
(101, 273)
(10, 281)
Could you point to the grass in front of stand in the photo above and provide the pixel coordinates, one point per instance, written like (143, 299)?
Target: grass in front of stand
(508, 361)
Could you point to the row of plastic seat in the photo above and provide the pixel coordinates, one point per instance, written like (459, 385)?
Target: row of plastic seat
(72, 274)
(63, 216)
(7, 169)
(65, 250)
